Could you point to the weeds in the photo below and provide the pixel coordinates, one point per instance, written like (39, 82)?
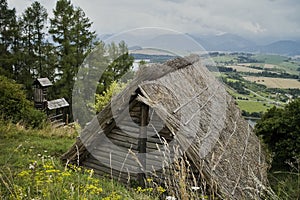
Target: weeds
(286, 184)
(30, 168)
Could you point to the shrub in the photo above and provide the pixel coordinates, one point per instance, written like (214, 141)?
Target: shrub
(15, 107)
(103, 99)
(279, 129)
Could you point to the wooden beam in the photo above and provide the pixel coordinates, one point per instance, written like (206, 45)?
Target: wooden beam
(142, 144)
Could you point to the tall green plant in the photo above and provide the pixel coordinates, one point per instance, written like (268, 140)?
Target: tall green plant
(280, 130)
(15, 107)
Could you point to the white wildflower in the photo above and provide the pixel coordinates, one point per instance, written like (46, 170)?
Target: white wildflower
(195, 188)
(170, 198)
(31, 166)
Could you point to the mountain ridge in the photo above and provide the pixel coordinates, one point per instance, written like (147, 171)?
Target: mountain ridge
(224, 42)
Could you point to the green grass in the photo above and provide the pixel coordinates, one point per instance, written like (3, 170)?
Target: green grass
(232, 80)
(270, 59)
(19, 146)
(252, 106)
(281, 63)
(250, 97)
(252, 102)
(30, 168)
(290, 67)
(286, 184)
(226, 58)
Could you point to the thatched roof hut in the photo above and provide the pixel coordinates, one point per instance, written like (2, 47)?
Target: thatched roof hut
(168, 112)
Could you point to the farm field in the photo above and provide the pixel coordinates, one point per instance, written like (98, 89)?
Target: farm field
(275, 63)
(274, 82)
(263, 65)
(255, 94)
(240, 68)
(250, 103)
(253, 106)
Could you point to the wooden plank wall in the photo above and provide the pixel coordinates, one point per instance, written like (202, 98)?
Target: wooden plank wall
(106, 159)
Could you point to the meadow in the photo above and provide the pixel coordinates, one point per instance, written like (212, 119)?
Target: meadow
(274, 82)
(30, 168)
(240, 68)
(253, 106)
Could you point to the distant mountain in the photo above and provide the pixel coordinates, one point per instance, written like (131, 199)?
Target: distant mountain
(185, 43)
(283, 47)
(230, 42)
(224, 42)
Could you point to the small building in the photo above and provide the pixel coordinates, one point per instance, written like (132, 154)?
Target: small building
(41, 86)
(55, 109)
(175, 123)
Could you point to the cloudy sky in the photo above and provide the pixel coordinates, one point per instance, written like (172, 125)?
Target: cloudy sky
(255, 19)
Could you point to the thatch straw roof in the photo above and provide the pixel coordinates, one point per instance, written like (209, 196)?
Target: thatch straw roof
(203, 119)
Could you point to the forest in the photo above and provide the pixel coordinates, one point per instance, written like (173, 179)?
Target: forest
(33, 45)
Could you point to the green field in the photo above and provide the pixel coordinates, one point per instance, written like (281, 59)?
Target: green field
(252, 106)
(281, 63)
(290, 67)
(270, 59)
(226, 58)
(252, 102)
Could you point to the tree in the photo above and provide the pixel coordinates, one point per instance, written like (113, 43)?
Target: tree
(280, 130)
(33, 22)
(104, 65)
(9, 34)
(70, 30)
(120, 63)
(33, 62)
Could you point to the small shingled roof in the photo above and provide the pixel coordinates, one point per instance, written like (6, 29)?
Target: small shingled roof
(57, 103)
(44, 82)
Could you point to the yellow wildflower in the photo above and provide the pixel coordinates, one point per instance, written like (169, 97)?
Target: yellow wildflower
(149, 180)
(160, 189)
(52, 171)
(24, 173)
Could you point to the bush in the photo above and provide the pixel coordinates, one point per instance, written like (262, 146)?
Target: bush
(15, 107)
(279, 129)
(103, 99)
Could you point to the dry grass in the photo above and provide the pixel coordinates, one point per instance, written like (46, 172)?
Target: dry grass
(266, 66)
(274, 82)
(240, 68)
(270, 66)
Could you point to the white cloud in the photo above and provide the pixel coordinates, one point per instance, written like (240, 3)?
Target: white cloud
(253, 27)
(256, 18)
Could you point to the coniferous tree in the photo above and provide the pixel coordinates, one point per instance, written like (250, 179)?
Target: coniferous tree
(34, 45)
(120, 63)
(9, 35)
(34, 20)
(70, 30)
